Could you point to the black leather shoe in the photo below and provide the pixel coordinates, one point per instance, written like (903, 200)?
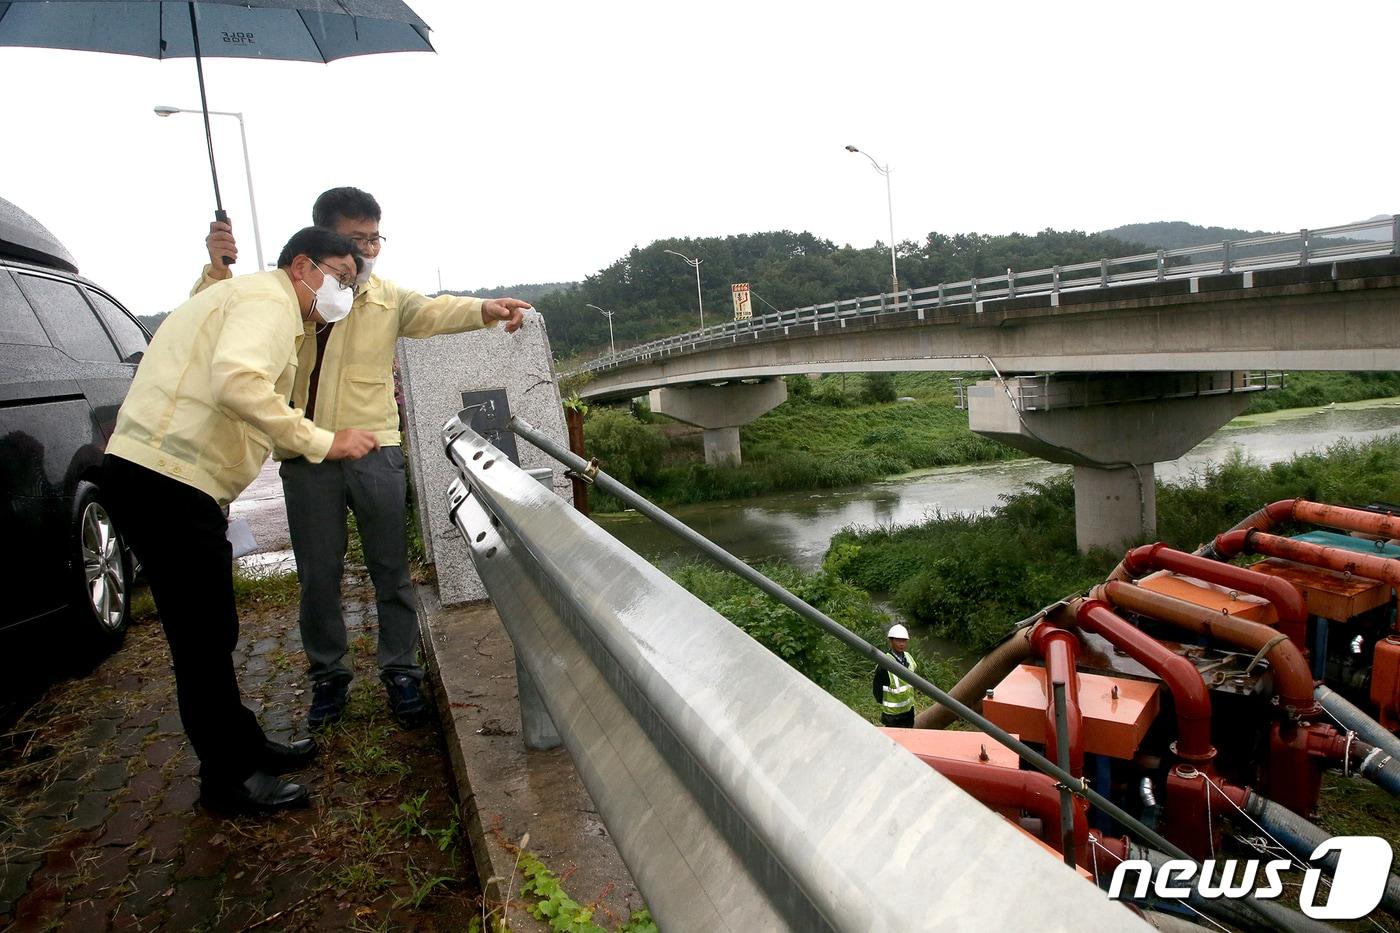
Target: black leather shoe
(260, 793)
(281, 757)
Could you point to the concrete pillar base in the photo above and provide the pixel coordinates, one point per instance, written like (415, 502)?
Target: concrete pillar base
(721, 410)
(1113, 508)
(722, 447)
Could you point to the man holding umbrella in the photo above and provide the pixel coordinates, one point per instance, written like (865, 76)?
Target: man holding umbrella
(345, 380)
(207, 404)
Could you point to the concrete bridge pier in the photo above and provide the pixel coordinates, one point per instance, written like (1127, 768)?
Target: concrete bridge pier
(1112, 427)
(721, 410)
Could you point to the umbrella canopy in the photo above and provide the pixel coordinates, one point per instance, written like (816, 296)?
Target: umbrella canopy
(287, 30)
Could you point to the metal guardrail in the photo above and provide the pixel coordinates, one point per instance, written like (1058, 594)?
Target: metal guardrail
(740, 794)
(1306, 247)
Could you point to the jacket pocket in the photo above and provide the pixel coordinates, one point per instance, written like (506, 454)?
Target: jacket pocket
(367, 398)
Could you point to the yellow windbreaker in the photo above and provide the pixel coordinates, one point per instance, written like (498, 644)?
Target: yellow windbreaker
(357, 376)
(209, 398)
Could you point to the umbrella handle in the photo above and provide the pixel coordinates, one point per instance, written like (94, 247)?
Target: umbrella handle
(222, 217)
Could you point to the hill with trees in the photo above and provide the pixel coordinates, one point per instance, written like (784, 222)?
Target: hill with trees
(1174, 234)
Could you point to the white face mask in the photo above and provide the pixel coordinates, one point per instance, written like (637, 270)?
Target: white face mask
(363, 278)
(333, 300)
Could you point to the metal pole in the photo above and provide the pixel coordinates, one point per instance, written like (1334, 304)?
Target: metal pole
(252, 201)
(698, 296)
(1062, 756)
(889, 203)
(612, 347)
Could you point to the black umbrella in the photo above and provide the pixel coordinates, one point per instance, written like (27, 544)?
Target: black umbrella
(288, 30)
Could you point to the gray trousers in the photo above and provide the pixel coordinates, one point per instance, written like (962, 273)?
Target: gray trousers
(317, 495)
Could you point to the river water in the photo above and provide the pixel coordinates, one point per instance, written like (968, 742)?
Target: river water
(797, 527)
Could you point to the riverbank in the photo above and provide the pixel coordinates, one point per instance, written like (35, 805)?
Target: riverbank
(835, 432)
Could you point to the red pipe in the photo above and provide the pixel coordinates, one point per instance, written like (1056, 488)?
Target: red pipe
(1026, 790)
(1287, 601)
(1293, 680)
(1060, 649)
(1179, 675)
(1336, 516)
(1370, 566)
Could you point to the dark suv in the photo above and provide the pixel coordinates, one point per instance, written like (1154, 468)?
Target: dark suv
(68, 352)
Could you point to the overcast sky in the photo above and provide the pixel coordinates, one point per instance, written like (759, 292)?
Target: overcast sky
(544, 140)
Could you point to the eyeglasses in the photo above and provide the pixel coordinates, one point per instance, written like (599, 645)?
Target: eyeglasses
(363, 241)
(338, 280)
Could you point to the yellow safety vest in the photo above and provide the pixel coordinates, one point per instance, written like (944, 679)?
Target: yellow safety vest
(899, 696)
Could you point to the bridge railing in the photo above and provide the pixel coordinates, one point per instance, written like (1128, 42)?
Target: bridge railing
(1379, 237)
(740, 795)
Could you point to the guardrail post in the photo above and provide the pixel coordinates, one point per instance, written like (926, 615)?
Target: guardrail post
(1055, 280)
(1161, 265)
(1395, 235)
(536, 728)
(940, 284)
(1103, 273)
(973, 283)
(1225, 257)
(1303, 247)
(1010, 283)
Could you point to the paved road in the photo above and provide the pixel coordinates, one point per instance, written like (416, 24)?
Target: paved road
(261, 506)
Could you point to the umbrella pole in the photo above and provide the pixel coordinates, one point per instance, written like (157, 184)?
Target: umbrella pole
(219, 213)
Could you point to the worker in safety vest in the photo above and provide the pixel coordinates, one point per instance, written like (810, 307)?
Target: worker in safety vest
(896, 698)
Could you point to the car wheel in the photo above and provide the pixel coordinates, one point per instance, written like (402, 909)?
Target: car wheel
(103, 603)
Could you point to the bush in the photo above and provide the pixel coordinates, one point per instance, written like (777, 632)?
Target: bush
(799, 387)
(879, 389)
(630, 451)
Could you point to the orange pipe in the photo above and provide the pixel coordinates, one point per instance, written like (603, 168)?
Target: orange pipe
(1287, 601)
(1370, 566)
(1026, 790)
(1060, 649)
(1179, 675)
(1293, 681)
(1335, 516)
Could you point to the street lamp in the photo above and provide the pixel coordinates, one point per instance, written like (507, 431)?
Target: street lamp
(612, 348)
(165, 111)
(889, 203)
(698, 297)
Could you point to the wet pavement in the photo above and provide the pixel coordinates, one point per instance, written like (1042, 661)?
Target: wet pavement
(99, 826)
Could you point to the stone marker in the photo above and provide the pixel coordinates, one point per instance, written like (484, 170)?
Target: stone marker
(436, 372)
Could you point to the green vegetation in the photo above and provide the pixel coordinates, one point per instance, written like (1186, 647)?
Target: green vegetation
(972, 578)
(826, 435)
(1312, 389)
(819, 657)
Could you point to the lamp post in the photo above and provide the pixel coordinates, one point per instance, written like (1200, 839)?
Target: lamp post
(612, 348)
(889, 203)
(165, 111)
(698, 297)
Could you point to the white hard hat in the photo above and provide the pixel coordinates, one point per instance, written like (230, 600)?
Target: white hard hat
(898, 631)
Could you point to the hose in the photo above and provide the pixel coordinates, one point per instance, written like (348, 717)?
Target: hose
(1302, 838)
(1382, 768)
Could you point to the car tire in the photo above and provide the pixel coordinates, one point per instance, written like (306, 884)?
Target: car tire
(102, 571)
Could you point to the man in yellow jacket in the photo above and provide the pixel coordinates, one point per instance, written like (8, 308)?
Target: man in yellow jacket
(345, 379)
(207, 405)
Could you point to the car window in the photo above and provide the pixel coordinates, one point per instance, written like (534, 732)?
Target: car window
(17, 321)
(68, 319)
(131, 339)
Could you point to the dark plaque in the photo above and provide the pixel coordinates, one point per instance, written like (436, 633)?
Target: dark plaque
(488, 413)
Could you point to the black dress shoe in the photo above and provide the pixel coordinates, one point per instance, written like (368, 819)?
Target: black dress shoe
(281, 757)
(260, 793)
